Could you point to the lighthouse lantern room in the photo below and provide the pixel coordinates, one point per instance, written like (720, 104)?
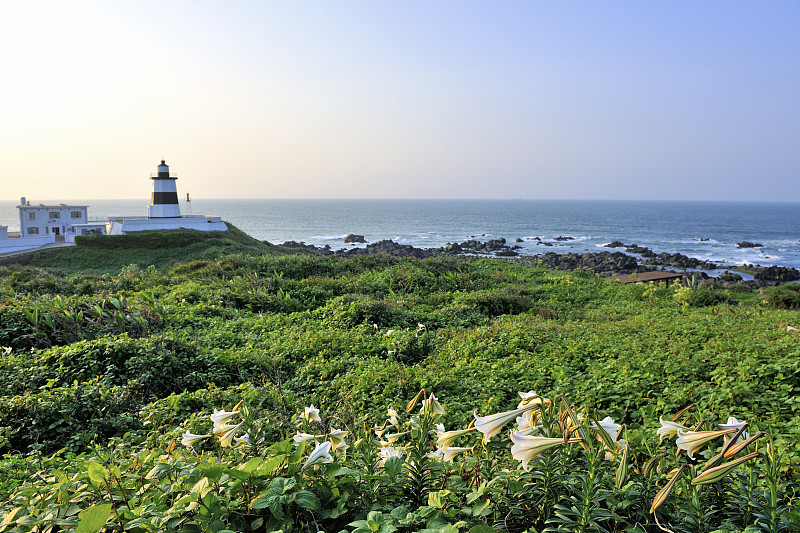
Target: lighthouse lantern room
(164, 202)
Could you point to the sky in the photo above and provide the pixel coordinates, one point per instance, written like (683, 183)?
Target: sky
(413, 99)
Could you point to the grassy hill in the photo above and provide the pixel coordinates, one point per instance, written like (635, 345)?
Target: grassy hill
(107, 254)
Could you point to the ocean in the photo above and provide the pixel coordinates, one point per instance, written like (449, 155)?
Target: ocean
(704, 230)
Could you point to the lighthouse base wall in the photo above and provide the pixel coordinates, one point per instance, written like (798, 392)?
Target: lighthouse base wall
(120, 226)
(164, 211)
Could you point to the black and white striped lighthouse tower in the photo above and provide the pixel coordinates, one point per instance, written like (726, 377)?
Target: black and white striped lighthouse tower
(164, 203)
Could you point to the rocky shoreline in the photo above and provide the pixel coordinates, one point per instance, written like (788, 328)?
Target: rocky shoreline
(607, 263)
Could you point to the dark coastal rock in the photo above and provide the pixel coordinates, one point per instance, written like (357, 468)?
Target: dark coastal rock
(352, 238)
(491, 246)
(680, 261)
(389, 247)
(519, 239)
(777, 273)
(295, 246)
(537, 239)
(748, 244)
(562, 238)
(729, 277)
(603, 263)
(614, 244)
(704, 239)
(641, 250)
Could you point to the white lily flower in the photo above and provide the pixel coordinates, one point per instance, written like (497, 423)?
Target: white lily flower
(526, 420)
(321, 454)
(437, 454)
(691, 441)
(189, 439)
(609, 426)
(302, 437)
(219, 417)
(526, 447)
(391, 437)
(387, 452)
(337, 436)
(446, 438)
(669, 428)
(432, 405)
(449, 453)
(392, 414)
(226, 439)
(389, 332)
(341, 447)
(224, 428)
(244, 440)
(491, 425)
(311, 414)
(735, 424)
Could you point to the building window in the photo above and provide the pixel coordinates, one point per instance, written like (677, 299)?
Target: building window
(33, 231)
(76, 214)
(55, 214)
(31, 215)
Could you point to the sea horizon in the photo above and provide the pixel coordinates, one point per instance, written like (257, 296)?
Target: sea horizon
(706, 230)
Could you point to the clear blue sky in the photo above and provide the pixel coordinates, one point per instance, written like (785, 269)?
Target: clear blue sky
(412, 99)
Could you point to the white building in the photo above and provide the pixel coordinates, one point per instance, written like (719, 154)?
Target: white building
(45, 220)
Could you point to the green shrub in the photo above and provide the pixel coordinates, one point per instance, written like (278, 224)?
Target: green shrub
(498, 302)
(785, 296)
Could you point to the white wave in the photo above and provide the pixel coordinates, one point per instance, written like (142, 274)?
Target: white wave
(330, 237)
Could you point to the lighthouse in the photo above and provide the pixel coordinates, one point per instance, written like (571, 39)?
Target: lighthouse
(164, 202)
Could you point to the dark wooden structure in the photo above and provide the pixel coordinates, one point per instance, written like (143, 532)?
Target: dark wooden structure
(656, 275)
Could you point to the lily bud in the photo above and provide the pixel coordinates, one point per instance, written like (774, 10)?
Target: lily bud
(664, 493)
(715, 474)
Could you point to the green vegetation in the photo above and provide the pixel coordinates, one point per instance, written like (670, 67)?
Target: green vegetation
(107, 254)
(105, 367)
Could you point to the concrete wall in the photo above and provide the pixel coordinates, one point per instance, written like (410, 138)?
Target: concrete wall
(28, 243)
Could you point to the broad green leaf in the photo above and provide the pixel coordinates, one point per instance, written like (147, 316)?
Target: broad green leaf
(481, 507)
(393, 466)
(201, 487)
(97, 472)
(93, 518)
(238, 474)
(214, 473)
(307, 500)
(283, 447)
(270, 464)
(438, 499)
(252, 464)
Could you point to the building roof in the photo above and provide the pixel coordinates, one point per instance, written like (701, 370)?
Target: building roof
(43, 206)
